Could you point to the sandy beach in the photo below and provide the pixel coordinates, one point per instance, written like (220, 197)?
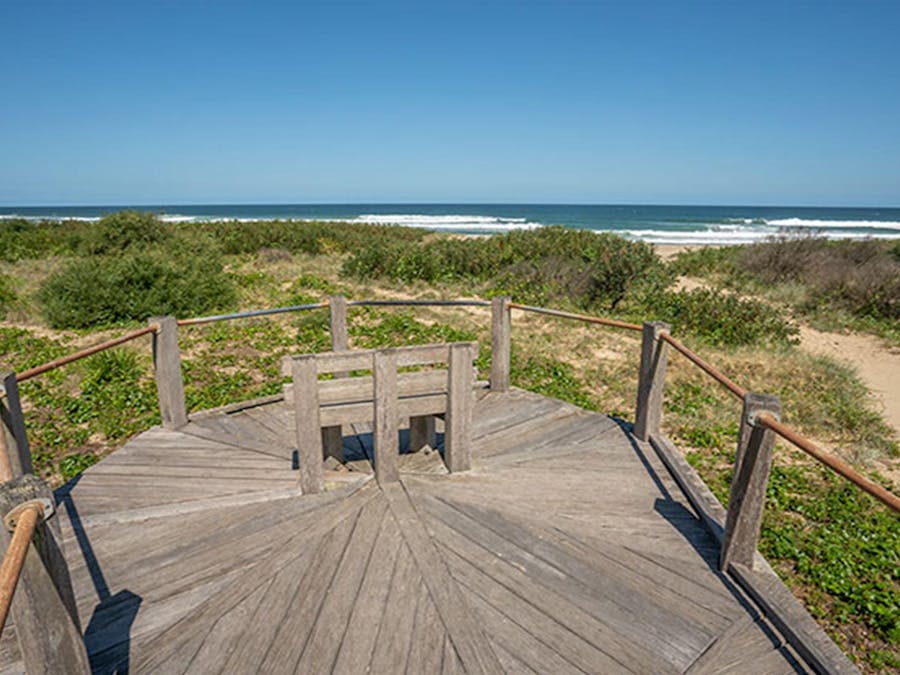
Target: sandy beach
(669, 251)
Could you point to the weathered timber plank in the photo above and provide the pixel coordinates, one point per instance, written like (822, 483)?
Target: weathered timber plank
(307, 427)
(181, 633)
(220, 641)
(200, 429)
(385, 421)
(558, 625)
(361, 359)
(252, 427)
(358, 641)
(296, 626)
(234, 545)
(450, 663)
(427, 648)
(160, 473)
(458, 436)
(786, 613)
(391, 647)
(523, 596)
(357, 389)
(512, 665)
(471, 644)
(259, 632)
(673, 636)
(407, 406)
(638, 573)
(520, 635)
(334, 615)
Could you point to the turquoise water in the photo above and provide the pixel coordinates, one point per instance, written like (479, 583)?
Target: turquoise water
(656, 224)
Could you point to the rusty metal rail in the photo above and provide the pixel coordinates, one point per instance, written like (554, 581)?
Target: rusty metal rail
(578, 317)
(53, 365)
(706, 367)
(11, 569)
(834, 463)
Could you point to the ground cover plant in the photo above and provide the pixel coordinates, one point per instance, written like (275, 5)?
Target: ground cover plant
(835, 547)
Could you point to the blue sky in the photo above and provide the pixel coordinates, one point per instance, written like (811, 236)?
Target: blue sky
(557, 101)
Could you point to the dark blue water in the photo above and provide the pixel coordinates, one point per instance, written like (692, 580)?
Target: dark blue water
(656, 224)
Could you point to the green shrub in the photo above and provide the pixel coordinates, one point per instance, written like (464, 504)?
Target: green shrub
(861, 277)
(22, 239)
(552, 263)
(107, 290)
(126, 230)
(721, 318)
(7, 294)
(297, 236)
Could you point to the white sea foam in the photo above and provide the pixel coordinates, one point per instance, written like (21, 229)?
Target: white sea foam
(835, 224)
(721, 237)
(449, 222)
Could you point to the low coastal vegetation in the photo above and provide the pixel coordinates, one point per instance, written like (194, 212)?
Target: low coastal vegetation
(850, 284)
(64, 286)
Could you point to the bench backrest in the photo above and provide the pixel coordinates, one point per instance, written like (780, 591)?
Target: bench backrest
(382, 398)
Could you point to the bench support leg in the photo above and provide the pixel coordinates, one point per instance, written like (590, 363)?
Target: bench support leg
(333, 442)
(421, 432)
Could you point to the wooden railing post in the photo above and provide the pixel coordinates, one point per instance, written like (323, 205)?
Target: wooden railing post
(167, 365)
(43, 606)
(16, 460)
(501, 328)
(652, 380)
(332, 437)
(748, 485)
(386, 426)
(458, 433)
(337, 307)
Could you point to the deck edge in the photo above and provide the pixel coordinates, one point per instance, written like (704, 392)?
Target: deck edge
(763, 585)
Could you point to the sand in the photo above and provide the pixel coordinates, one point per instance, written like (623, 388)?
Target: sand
(878, 365)
(669, 251)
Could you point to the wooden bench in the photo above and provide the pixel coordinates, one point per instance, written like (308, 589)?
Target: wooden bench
(384, 398)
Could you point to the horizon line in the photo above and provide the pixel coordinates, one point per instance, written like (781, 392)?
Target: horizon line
(136, 205)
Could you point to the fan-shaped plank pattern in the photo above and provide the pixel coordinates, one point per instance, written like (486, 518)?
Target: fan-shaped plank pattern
(567, 549)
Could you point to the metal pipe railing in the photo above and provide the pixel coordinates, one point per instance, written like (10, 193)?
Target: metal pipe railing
(834, 463)
(14, 558)
(419, 303)
(246, 315)
(706, 367)
(578, 317)
(56, 363)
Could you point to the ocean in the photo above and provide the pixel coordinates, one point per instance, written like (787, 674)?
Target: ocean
(699, 225)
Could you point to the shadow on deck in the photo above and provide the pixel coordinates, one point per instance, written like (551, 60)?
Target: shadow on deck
(567, 548)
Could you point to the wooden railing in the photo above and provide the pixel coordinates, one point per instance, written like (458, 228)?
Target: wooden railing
(47, 608)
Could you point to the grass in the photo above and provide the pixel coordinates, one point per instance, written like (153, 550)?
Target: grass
(833, 546)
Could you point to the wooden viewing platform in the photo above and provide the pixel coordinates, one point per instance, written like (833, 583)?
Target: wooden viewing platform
(566, 548)
(563, 541)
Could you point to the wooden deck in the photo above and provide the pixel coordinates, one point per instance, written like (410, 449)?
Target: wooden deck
(568, 548)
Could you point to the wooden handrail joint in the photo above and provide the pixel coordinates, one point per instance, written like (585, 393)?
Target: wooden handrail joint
(44, 506)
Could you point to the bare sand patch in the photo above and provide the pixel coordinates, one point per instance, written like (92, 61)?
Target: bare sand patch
(878, 365)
